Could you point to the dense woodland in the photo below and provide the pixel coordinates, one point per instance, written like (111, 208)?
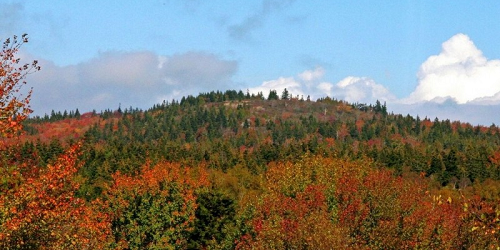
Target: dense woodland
(227, 170)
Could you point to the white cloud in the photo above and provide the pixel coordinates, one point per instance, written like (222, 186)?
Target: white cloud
(459, 83)
(294, 87)
(137, 79)
(482, 110)
(352, 89)
(460, 72)
(311, 75)
(325, 87)
(361, 89)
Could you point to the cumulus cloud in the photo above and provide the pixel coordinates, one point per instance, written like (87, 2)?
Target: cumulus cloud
(137, 79)
(242, 30)
(459, 83)
(293, 86)
(460, 72)
(309, 82)
(311, 75)
(481, 110)
(361, 89)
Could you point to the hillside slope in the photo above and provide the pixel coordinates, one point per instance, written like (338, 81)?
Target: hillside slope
(230, 170)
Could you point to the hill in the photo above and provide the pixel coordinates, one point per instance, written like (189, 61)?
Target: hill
(234, 170)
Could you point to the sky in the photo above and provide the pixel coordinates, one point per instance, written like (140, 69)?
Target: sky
(426, 58)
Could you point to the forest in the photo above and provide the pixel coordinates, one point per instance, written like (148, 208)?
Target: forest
(235, 170)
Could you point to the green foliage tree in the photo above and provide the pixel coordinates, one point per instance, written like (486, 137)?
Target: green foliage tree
(273, 95)
(285, 95)
(215, 221)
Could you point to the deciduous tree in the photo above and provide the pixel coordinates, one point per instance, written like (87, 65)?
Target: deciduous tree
(42, 211)
(14, 107)
(155, 209)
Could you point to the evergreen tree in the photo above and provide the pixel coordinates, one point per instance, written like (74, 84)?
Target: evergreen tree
(77, 114)
(285, 95)
(273, 95)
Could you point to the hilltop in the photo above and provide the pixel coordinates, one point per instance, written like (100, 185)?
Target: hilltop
(270, 129)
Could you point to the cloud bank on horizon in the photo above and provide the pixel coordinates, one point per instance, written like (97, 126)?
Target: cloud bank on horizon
(135, 79)
(459, 83)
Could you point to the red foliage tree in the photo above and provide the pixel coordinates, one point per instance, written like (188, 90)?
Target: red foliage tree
(13, 107)
(362, 207)
(481, 224)
(295, 213)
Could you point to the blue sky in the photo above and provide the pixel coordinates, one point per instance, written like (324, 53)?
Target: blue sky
(431, 58)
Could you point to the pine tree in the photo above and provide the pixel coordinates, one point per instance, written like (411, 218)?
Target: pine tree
(273, 95)
(285, 95)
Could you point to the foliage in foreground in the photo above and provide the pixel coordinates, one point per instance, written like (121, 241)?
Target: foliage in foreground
(38, 208)
(322, 203)
(314, 203)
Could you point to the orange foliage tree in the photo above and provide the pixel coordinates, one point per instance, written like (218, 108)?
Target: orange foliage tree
(38, 207)
(155, 209)
(14, 108)
(41, 211)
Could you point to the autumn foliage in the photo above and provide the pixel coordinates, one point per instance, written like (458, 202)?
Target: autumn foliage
(322, 203)
(42, 211)
(14, 108)
(155, 209)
